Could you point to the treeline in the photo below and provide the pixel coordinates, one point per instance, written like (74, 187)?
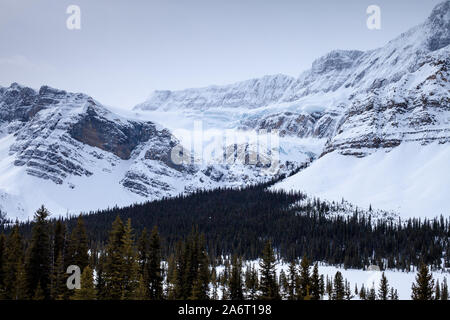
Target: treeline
(240, 221)
(128, 267)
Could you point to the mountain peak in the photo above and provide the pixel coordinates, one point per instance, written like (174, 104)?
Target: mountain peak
(439, 25)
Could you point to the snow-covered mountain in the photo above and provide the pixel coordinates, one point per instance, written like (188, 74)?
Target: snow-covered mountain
(375, 124)
(67, 151)
(364, 105)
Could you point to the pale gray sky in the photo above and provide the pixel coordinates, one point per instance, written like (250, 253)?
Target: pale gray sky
(126, 49)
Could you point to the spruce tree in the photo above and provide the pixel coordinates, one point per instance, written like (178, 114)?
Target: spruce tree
(114, 264)
(214, 283)
(329, 288)
(236, 290)
(129, 267)
(38, 259)
(383, 290)
(372, 295)
(154, 270)
(338, 289)
(348, 291)
(142, 290)
(251, 282)
(77, 248)
(284, 285)
(268, 282)
(200, 262)
(143, 258)
(292, 281)
(362, 293)
(13, 257)
(101, 277)
(423, 289)
(315, 283)
(304, 280)
(58, 281)
(171, 278)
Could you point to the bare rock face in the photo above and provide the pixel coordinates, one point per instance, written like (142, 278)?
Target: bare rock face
(58, 134)
(118, 138)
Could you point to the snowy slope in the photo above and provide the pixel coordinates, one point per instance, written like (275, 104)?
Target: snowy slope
(412, 179)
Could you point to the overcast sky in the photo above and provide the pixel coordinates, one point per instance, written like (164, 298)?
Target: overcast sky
(126, 49)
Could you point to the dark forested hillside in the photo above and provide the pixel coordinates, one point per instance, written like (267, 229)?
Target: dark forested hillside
(240, 221)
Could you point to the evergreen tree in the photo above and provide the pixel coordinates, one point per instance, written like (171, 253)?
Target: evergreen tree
(13, 258)
(114, 264)
(87, 290)
(236, 290)
(251, 282)
(362, 293)
(143, 258)
(383, 290)
(142, 289)
(423, 289)
(292, 280)
(339, 289)
(372, 295)
(129, 266)
(154, 270)
(284, 285)
(214, 283)
(268, 282)
(315, 283)
(329, 288)
(58, 281)
(101, 277)
(304, 280)
(322, 286)
(348, 291)
(171, 278)
(77, 249)
(38, 259)
(200, 289)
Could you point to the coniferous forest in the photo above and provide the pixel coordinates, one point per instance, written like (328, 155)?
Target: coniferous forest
(199, 247)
